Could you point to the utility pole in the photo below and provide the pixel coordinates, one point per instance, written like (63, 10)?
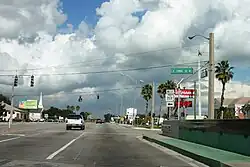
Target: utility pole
(199, 81)
(12, 105)
(179, 98)
(211, 77)
(178, 104)
(195, 100)
(121, 104)
(133, 115)
(153, 105)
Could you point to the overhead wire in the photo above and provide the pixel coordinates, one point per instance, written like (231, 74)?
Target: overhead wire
(82, 92)
(88, 61)
(105, 71)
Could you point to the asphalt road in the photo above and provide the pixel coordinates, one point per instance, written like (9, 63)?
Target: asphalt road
(49, 144)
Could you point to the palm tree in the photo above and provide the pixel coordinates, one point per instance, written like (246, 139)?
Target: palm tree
(224, 74)
(77, 108)
(161, 90)
(72, 108)
(68, 107)
(245, 109)
(146, 93)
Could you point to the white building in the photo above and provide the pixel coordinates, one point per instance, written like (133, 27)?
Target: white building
(35, 115)
(17, 113)
(131, 113)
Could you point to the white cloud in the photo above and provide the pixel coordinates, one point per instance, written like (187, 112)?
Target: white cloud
(30, 39)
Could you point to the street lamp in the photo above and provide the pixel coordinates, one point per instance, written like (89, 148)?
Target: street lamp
(211, 73)
(136, 82)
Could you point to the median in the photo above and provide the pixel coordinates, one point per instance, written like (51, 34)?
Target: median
(204, 154)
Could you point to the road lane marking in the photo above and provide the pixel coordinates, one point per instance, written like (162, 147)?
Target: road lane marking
(174, 154)
(51, 156)
(1, 141)
(13, 134)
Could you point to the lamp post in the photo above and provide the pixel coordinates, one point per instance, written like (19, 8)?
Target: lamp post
(136, 83)
(211, 74)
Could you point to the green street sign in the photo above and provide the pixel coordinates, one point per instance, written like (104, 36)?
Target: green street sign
(182, 71)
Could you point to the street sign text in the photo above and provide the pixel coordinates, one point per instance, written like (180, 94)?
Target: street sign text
(182, 71)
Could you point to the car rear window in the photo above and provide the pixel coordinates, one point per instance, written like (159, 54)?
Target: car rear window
(74, 117)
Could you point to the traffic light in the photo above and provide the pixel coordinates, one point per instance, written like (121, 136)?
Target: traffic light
(97, 97)
(16, 81)
(80, 99)
(32, 81)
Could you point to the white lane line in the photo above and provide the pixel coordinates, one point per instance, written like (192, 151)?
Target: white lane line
(1, 141)
(172, 153)
(51, 156)
(13, 134)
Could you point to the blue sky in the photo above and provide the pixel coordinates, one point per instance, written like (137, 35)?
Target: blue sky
(78, 10)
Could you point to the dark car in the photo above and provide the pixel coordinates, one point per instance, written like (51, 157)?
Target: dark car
(99, 121)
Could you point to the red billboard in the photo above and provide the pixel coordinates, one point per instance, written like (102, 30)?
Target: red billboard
(185, 93)
(184, 103)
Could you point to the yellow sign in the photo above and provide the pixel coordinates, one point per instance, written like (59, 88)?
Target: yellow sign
(28, 104)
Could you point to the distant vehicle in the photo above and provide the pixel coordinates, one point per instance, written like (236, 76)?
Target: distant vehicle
(99, 121)
(75, 121)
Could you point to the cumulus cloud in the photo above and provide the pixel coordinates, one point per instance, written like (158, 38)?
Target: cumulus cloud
(129, 34)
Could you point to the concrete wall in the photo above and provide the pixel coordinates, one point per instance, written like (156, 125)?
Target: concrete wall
(170, 128)
(230, 135)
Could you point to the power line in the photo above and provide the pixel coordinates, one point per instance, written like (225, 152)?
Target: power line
(106, 71)
(195, 72)
(84, 62)
(83, 92)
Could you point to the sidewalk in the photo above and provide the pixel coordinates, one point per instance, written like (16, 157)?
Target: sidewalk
(207, 155)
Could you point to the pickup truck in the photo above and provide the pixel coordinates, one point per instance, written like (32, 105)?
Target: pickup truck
(75, 121)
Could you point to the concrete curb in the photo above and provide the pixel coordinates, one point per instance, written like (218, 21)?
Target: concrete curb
(205, 160)
(140, 128)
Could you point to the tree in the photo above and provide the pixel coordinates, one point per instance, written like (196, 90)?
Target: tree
(77, 108)
(2, 109)
(52, 111)
(107, 117)
(5, 99)
(146, 93)
(245, 109)
(85, 115)
(162, 88)
(68, 107)
(72, 108)
(224, 74)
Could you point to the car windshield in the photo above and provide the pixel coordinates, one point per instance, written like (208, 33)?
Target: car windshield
(74, 117)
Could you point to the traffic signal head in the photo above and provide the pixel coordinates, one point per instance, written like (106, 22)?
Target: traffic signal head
(32, 81)
(97, 97)
(80, 99)
(16, 81)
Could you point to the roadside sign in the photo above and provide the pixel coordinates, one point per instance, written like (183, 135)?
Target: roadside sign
(170, 91)
(185, 93)
(170, 104)
(170, 98)
(204, 73)
(184, 103)
(182, 70)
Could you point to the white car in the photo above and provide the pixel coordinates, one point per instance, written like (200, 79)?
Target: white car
(75, 121)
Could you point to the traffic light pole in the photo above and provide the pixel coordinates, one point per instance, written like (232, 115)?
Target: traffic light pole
(12, 105)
